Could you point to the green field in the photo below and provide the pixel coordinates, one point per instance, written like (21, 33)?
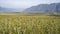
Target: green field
(24, 24)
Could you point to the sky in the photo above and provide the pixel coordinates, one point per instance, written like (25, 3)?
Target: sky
(24, 3)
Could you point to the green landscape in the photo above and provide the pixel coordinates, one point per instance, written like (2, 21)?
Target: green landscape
(28, 24)
(29, 16)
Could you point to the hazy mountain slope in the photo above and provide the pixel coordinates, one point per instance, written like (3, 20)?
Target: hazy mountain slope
(3, 9)
(51, 8)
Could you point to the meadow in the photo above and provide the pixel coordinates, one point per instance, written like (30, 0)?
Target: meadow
(24, 24)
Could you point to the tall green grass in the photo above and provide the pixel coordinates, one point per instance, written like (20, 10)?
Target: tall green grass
(16, 24)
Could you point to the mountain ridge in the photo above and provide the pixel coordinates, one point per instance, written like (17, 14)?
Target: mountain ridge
(3, 9)
(45, 8)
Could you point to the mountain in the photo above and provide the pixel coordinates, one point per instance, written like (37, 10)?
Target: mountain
(44, 8)
(3, 9)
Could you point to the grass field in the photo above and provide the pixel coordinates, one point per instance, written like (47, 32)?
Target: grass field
(20, 24)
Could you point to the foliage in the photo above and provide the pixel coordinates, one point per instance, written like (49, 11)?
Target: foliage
(16, 24)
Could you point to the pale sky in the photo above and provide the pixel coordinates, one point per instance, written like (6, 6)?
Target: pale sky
(24, 3)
